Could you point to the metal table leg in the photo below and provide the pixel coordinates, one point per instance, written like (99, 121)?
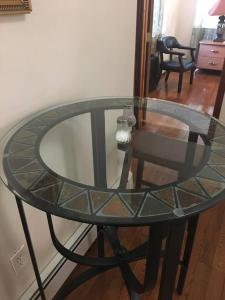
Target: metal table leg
(30, 246)
(101, 246)
(171, 259)
(157, 233)
(99, 162)
(192, 226)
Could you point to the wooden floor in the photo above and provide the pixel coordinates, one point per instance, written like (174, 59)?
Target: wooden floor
(200, 95)
(206, 275)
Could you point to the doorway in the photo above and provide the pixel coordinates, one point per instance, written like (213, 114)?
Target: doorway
(202, 95)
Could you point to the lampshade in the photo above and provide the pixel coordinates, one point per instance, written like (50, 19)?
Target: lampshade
(218, 9)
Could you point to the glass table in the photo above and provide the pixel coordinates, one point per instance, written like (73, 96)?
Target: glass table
(68, 161)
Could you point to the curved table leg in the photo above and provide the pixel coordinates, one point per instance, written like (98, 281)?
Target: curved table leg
(101, 264)
(157, 233)
(79, 280)
(151, 251)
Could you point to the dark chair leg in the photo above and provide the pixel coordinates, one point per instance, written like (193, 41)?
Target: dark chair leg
(192, 76)
(167, 76)
(159, 76)
(192, 226)
(180, 82)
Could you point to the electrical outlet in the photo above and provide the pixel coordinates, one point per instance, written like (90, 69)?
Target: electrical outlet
(19, 259)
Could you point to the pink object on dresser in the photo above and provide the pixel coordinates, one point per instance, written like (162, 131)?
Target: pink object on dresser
(211, 55)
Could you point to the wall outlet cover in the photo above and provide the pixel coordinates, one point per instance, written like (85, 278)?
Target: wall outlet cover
(19, 259)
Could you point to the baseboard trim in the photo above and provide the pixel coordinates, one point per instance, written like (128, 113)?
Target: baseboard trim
(58, 270)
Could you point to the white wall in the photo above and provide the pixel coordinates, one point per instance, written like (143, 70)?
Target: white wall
(64, 50)
(170, 17)
(179, 19)
(185, 20)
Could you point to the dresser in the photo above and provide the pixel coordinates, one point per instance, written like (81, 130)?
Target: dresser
(211, 55)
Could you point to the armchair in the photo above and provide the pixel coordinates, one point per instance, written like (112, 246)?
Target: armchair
(166, 46)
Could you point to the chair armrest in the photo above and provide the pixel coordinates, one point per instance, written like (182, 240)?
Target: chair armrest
(192, 49)
(186, 48)
(167, 51)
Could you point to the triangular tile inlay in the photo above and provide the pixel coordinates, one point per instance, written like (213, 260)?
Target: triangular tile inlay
(34, 123)
(25, 153)
(46, 179)
(49, 193)
(115, 208)
(219, 168)
(34, 165)
(186, 199)
(153, 206)
(24, 133)
(16, 163)
(79, 203)
(209, 173)
(98, 199)
(220, 152)
(212, 187)
(216, 159)
(26, 179)
(28, 140)
(167, 196)
(46, 121)
(37, 130)
(215, 130)
(16, 147)
(133, 200)
(50, 114)
(68, 191)
(217, 147)
(220, 140)
(193, 186)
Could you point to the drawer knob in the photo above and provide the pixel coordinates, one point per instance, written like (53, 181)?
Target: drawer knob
(214, 51)
(212, 63)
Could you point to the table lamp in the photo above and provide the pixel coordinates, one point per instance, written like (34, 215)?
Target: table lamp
(218, 9)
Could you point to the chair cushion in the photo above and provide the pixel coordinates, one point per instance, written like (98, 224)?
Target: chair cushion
(174, 65)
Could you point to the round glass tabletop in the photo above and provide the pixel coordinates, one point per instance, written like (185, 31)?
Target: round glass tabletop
(96, 162)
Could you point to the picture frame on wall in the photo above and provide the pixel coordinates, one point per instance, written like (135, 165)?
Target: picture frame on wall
(15, 7)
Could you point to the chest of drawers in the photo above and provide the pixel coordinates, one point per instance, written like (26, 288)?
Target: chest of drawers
(211, 55)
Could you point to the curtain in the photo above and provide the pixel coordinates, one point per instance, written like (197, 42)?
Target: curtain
(200, 33)
(204, 25)
(157, 22)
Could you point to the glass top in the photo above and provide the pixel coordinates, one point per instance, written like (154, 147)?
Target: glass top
(117, 161)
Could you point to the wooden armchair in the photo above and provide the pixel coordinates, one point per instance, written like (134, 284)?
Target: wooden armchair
(166, 46)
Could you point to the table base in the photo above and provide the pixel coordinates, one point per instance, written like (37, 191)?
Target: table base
(151, 251)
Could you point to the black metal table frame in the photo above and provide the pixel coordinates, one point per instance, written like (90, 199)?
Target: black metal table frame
(173, 231)
(151, 251)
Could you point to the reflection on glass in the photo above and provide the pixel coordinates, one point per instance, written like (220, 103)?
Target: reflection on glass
(128, 113)
(67, 149)
(84, 149)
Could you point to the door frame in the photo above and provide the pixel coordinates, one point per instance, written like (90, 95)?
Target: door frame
(144, 21)
(220, 94)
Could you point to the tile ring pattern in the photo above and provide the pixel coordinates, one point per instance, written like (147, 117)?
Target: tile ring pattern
(25, 174)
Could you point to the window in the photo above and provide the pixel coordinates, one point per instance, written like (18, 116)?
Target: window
(202, 18)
